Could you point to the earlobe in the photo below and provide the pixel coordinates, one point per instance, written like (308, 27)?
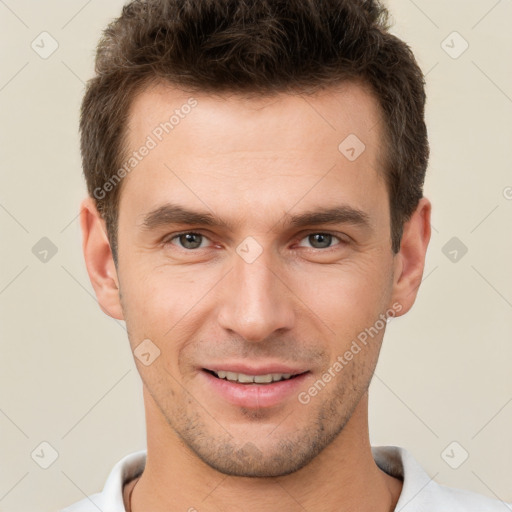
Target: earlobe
(98, 259)
(410, 260)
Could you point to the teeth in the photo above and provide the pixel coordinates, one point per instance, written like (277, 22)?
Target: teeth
(258, 379)
(280, 376)
(263, 379)
(245, 378)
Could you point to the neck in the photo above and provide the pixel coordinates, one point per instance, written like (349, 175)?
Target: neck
(342, 478)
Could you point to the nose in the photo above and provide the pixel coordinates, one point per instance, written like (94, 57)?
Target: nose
(256, 302)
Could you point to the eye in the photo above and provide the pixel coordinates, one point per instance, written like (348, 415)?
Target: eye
(188, 240)
(320, 240)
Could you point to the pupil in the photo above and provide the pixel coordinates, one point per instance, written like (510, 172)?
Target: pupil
(320, 240)
(191, 240)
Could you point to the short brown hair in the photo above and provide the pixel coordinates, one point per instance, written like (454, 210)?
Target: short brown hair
(259, 47)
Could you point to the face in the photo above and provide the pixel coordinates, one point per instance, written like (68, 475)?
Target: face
(255, 255)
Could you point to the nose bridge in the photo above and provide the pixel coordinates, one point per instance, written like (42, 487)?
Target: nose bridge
(255, 281)
(256, 302)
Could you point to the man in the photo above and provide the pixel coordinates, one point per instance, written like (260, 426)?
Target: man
(256, 216)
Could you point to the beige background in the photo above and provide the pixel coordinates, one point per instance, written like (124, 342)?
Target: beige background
(67, 375)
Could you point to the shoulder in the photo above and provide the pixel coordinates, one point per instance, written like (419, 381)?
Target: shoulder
(110, 499)
(93, 502)
(465, 501)
(421, 494)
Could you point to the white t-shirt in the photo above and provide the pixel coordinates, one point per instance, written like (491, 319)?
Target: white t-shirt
(419, 492)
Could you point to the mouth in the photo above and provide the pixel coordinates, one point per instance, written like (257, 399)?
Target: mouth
(244, 378)
(254, 388)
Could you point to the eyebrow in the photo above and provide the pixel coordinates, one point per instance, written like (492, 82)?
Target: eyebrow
(337, 215)
(168, 214)
(175, 214)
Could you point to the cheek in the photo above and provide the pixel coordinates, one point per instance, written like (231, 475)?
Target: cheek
(166, 306)
(162, 295)
(347, 297)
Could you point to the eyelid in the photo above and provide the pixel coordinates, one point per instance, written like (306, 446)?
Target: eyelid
(168, 239)
(342, 238)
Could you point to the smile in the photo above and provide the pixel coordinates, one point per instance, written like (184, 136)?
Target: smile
(255, 389)
(244, 378)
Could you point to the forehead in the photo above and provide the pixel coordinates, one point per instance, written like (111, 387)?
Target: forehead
(258, 146)
(350, 107)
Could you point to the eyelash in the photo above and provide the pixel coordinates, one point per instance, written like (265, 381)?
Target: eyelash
(168, 239)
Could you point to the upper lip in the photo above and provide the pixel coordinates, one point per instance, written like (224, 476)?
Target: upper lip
(261, 369)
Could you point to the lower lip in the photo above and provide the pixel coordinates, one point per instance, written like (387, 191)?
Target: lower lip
(255, 396)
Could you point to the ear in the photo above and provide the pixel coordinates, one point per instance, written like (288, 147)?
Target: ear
(98, 259)
(409, 262)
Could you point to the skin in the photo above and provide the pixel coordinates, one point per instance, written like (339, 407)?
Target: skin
(253, 163)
